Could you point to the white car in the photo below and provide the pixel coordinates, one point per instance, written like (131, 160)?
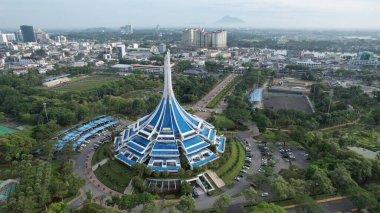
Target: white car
(237, 178)
(264, 194)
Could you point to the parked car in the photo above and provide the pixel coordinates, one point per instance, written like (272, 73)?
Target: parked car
(237, 178)
(195, 194)
(264, 194)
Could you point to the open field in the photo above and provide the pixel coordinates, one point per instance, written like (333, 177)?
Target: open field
(276, 101)
(87, 83)
(114, 175)
(235, 162)
(222, 122)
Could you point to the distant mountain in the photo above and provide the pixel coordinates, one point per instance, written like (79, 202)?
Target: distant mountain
(229, 20)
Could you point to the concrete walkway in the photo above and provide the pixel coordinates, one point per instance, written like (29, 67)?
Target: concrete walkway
(217, 180)
(101, 163)
(129, 188)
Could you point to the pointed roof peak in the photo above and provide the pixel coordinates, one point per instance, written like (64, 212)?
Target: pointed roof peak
(168, 90)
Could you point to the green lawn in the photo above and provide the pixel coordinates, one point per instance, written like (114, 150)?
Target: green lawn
(235, 162)
(100, 153)
(84, 84)
(221, 122)
(115, 175)
(5, 130)
(273, 136)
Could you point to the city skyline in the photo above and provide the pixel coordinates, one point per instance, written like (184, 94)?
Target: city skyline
(295, 14)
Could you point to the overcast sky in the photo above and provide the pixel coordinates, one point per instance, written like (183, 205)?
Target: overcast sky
(318, 14)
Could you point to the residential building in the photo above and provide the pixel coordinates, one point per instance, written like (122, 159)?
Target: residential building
(201, 38)
(127, 29)
(120, 51)
(162, 48)
(3, 38)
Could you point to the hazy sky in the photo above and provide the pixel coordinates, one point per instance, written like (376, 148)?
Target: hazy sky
(331, 14)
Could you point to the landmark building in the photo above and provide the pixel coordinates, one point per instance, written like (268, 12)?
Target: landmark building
(168, 132)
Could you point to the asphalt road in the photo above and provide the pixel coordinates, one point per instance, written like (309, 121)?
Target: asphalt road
(207, 98)
(80, 167)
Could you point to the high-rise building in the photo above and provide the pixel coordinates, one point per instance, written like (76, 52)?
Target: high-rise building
(188, 37)
(219, 39)
(127, 29)
(41, 36)
(3, 38)
(120, 51)
(160, 137)
(28, 33)
(18, 35)
(201, 38)
(162, 48)
(61, 39)
(10, 37)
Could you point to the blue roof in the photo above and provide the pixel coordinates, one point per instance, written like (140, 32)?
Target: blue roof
(141, 141)
(167, 120)
(125, 159)
(159, 145)
(256, 95)
(183, 126)
(221, 145)
(167, 168)
(154, 121)
(197, 147)
(188, 116)
(205, 132)
(192, 141)
(205, 160)
(159, 152)
(135, 147)
(139, 155)
(212, 134)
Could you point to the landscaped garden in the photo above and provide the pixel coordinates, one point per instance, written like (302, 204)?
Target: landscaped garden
(222, 93)
(234, 156)
(115, 175)
(356, 135)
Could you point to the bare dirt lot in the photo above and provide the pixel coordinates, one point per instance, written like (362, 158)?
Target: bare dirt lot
(276, 101)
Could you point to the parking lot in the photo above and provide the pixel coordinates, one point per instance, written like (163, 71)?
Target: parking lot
(270, 158)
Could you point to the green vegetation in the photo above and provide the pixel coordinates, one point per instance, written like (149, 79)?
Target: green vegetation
(104, 151)
(88, 83)
(239, 110)
(233, 161)
(41, 180)
(222, 203)
(191, 89)
(265, 207)
(296, 67)
(222, 122)
(182, 66)
(355, 135)
(215, 101)
(115, 175)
